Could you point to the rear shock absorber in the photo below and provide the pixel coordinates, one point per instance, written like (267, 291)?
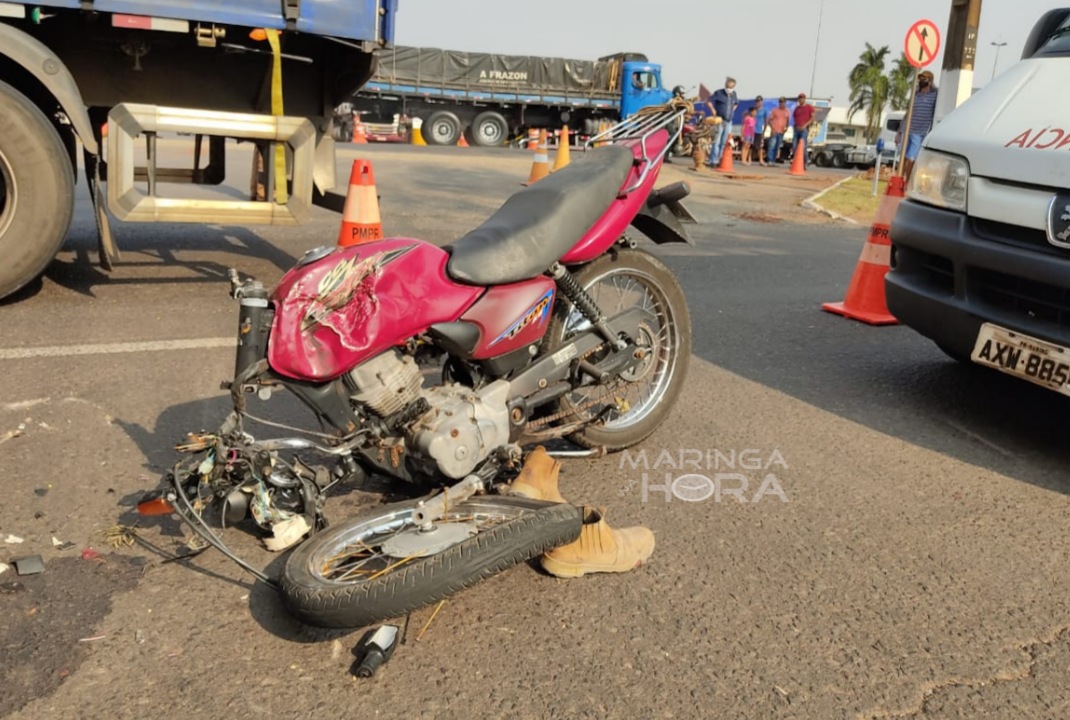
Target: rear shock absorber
(572, 289)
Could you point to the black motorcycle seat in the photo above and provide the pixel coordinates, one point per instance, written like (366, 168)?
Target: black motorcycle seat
(539, 224)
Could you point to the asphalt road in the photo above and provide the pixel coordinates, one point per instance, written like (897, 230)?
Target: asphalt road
(907, 558)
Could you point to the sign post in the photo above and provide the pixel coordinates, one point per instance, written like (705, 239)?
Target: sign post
(877, 165)
(922, 45)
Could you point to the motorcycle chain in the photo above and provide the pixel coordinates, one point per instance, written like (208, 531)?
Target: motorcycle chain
(561, 415)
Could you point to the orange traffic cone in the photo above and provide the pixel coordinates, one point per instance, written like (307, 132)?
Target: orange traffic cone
(360, 137)
(562, 158)
(798, 160)
(540, 167)
(865, 295)
(462, 142)
(533, 140)
(726, 165)
(360, 216)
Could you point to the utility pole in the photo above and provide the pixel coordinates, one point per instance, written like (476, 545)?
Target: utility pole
(956, 81)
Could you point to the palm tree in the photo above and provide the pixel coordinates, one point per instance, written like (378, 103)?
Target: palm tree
(901, 78)
(869, 88)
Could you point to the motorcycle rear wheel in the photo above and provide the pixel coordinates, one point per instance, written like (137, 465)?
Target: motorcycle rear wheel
(335, 579)
(617, 281)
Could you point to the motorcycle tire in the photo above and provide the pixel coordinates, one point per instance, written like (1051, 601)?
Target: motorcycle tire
(529, 529)
(614, 436)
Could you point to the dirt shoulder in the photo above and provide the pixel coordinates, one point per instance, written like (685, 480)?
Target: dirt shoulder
(761, 194)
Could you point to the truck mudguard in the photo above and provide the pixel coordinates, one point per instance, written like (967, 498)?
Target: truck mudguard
(43, 64)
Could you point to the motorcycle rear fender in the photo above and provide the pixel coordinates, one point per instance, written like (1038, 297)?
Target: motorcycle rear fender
(662, 217)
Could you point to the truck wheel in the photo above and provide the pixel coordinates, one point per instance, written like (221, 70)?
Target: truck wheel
(838, 161)
(36, 191)
(442, 128)
(489, 129)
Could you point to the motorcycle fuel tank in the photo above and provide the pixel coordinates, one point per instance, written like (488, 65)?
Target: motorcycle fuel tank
(337, 311)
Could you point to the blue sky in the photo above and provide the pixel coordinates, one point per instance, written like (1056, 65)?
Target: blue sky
(768, 45)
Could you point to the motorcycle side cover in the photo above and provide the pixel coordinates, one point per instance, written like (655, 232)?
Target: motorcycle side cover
(336, 312)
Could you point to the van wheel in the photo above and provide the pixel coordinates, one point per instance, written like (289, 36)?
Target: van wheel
(36, 191)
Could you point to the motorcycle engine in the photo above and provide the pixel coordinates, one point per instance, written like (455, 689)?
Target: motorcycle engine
(387, 383)
(461, 429)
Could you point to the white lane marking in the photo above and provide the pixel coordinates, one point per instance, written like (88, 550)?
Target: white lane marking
(25, 404)
(56, 351)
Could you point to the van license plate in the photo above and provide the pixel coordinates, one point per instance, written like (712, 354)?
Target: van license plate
(1023, 356)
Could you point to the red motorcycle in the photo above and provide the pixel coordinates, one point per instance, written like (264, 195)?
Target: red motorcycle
(436, 366)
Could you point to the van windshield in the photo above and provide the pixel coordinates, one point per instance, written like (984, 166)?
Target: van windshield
(1059, 43)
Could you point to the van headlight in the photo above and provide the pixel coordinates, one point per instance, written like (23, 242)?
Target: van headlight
(940, 179)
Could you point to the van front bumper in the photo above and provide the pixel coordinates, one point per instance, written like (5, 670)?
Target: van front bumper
(951, 273)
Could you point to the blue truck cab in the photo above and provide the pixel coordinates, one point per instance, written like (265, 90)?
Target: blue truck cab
(642, 89)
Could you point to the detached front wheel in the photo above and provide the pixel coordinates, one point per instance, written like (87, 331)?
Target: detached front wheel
(380, 565)
(36, 191)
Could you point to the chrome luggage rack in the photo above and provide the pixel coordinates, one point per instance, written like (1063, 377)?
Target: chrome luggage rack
(642, 127)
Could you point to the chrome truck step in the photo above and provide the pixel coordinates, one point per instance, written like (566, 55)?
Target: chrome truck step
(129, 124)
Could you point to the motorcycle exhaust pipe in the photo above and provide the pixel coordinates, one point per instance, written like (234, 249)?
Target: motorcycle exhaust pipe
(668, 194)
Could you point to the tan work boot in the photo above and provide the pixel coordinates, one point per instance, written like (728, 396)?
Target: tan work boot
(538, 477)
(600, 549)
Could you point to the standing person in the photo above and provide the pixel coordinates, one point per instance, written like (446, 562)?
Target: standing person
(803, 117)
(748, 134)
(779, 117)
(921, 121)
(724, 104)
(761, 117)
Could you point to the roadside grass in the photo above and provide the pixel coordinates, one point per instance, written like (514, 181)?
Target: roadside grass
(854, 199)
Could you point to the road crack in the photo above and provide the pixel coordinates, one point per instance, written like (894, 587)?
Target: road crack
(928, 690)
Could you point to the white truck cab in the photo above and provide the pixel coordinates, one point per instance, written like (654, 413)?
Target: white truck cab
(981, 243)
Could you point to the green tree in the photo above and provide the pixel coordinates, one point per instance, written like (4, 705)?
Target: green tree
(900, 78)
(870, 88)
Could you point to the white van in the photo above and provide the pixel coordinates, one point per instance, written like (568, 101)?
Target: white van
(888, 131)
(980, 257)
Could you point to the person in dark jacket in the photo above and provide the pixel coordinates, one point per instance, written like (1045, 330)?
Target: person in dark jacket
(724, 105)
